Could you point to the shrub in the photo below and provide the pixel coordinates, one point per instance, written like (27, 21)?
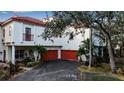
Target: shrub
(27, 60)
(4, 71)
(3, 75)
(97, 60)
(13, 68)
(41, 50)
(31, 64)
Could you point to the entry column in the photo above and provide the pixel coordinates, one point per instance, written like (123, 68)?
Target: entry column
(59, 53)
(7, 54)
(13, 54)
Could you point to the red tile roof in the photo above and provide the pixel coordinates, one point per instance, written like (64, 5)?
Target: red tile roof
(25, 20)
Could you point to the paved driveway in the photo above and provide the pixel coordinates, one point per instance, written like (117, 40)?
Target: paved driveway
(52, 71)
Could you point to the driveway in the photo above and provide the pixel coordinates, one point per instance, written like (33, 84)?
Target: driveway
(52, 71)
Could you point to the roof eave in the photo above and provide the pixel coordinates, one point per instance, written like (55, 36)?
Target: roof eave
(13, 19)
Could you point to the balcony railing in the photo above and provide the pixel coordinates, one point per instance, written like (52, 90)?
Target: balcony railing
(28, 37)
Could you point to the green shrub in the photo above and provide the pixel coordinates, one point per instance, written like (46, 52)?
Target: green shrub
(4, 75)
(31, 64)
(14, 68)
(27, 60)
(40, 49)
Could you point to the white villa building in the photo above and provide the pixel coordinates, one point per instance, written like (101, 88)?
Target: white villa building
(19, 34)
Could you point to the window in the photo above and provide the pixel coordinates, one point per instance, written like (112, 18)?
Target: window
(3, 32)
(10, 30)
(27, 30)
(27, 36)
(19, 54)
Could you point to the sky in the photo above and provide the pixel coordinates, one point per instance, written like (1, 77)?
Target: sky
(4, 15)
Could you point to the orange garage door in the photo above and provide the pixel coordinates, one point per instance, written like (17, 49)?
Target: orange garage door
(50, 55)
(69, 55)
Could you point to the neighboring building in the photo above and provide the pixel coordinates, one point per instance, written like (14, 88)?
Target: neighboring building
(1, 43)
(19, 34)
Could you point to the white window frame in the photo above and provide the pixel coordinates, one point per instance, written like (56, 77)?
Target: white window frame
(10, 30)
(19, 53)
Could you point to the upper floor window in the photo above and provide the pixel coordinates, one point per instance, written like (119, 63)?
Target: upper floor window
(10, 30)
(3, 32)
(27, 36)
(27, 30)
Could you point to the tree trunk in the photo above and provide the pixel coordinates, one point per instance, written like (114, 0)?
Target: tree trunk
(120, 51)
(111, 57)
(110, 52)
(90, 50)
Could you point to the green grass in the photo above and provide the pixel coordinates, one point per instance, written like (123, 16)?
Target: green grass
(103, 69)
(104, 78)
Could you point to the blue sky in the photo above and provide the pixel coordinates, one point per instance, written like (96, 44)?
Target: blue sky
(4, 15)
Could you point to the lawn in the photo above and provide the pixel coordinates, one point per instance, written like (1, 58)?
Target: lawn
(101, 73)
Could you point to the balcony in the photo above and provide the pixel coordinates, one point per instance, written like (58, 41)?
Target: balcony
(28, 37)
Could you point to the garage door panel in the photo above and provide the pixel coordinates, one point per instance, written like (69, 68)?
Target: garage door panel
(69, 55)
(50, 55)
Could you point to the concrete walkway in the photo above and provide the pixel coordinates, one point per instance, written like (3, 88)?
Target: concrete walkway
(52, 71)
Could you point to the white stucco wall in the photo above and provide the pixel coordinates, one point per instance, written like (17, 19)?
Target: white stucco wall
(19, 29)
(64, 41)
(74, 44)
(8, 38)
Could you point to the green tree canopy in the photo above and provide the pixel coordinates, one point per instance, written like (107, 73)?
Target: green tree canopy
(107, 22)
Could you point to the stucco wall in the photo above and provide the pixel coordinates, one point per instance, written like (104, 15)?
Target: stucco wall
(73, 44)
(19, 29)
(64, 41)
(8, 38)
